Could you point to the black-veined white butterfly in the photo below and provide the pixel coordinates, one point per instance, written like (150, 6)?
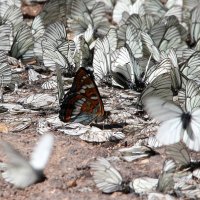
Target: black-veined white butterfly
(23, 44)
(191, 67)
(103, 53)
(179, 153)
(57, 50)
(6, 36)
(165, 34)
(37, 28)
(136, 152)
(130, 7)
(3, 57)
(55, 10)
(157, 8)
(21, 172)
(59, 84)
(190, 4)
(144, 185)
(83, 56)
(124, 68)
(5, 74)
(194, 26)
(165, 181)
(159, 87)
(106, 177)
(11, 2)
(140, 23)
(84, 14)
(178, 123)
(11, 14)
(55, 34)
(163, 80)
(97, 135)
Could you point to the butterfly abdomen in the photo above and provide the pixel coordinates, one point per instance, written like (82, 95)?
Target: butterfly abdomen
(186, 119)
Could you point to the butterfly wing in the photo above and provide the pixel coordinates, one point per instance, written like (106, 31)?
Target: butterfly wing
(23, 43)
(106, 177)
(37, 27)
(161, 109)
(192, 103)
(122, 65)
(166, 182)
(5, 74)
(42, 152)
(83, 102)
(194, 29)
(179, 154)
(160, 86)
(171, 129)
(191, 138)
(192, 95)
(6, 37)
(149, 43)
(17, 171)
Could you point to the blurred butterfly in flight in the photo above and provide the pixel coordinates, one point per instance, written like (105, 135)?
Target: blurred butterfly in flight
(178, 123)
(83, 103)
(21, 172)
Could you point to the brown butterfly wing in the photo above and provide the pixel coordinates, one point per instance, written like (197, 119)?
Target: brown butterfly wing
(83, 102)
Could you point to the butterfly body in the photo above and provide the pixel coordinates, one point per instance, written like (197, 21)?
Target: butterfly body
(186, 119)
(83, 102)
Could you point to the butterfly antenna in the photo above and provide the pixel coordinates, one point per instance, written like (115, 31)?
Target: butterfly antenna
(60, 84)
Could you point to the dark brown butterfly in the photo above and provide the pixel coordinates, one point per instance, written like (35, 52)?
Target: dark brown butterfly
(83, 102)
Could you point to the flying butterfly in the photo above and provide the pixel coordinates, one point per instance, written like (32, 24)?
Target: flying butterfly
(83, 102)
(21, 172)
(178, 123)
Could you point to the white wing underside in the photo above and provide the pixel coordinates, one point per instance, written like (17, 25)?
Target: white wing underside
(42, 151)
(170, 131)
(18, 171)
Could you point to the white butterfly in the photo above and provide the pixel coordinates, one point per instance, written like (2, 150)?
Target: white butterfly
(157, 8)
(177, 123)
(6, 37)
(23, 43)
(166, 182)
(127, 6)
(179, 154)
(21, 172)
(106, 177)
(97, 135)
(103, 53)
(194, 29)
(85, 13)
(5, 74)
